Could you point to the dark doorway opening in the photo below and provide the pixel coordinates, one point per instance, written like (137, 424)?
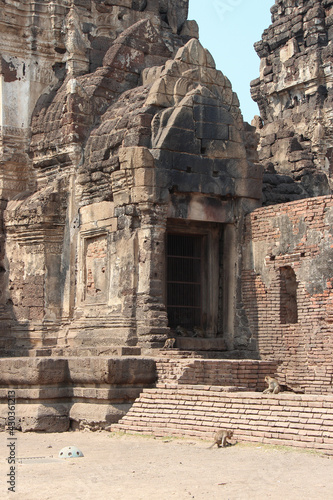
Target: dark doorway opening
(185, 280)
(288, 295)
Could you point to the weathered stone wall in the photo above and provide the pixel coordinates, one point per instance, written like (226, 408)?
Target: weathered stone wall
(294, 94)
(172, 149)
(41, 43)
(58, 394)
(136, 131)
(288, 264)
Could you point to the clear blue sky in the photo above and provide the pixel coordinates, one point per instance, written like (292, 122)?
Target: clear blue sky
(228, 29)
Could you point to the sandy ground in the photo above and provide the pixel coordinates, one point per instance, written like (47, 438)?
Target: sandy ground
(134, 467)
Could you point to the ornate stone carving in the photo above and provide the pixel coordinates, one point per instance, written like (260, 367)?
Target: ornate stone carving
(138, 128)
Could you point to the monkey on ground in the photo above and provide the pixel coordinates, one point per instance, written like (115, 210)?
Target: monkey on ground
(169, 343)
(273, 386)
(221, 436)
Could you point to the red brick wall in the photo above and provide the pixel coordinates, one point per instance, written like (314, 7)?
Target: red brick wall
(245, 374)
(299, 235)
(300, 420)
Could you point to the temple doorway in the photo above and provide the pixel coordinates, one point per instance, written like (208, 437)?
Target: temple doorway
(194, 276)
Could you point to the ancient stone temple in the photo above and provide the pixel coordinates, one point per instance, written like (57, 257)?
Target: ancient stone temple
(125, 181)
(137, 206)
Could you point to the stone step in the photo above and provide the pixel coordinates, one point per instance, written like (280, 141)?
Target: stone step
(218, 372)
(107, 351)
(174, 353)
(286, 419)
(95, 322)
(183, 353)
(201, 344)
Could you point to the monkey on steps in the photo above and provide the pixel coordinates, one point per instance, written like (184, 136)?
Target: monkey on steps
(273, 386)
(169, 343)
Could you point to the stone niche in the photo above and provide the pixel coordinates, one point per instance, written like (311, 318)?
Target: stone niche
(143, 171)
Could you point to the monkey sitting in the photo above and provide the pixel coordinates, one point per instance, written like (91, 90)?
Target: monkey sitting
(198, 332)
(221, 436)
(181, 331)
(273, 386)
(169, 343)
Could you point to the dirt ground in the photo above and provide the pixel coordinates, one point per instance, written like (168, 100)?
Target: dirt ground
(135, 467)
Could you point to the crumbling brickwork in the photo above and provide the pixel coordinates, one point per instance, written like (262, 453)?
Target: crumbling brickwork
(231, 374)
(296, 237)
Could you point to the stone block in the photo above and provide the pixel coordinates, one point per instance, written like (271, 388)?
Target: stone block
(96, 416)
(268, 140)
(107, 224)
(181, 118)
(177, 139)
(124, 58)
(190, 29)
(32, 297)
(223, 185)
(185, 181)
(139, 137)
(43, 418)
(121, 198)
(134, 157)
(234, 134)
(158, 98)
(131, 371)
(248, 188)
(193, 53)
(205, 100)
(33, 371)
(265, 153)
(223, 149)
(82, 371)
(211, 131)
(212, 114)
(36, 313)
(142, 194)
(144, 177)
(192, 163)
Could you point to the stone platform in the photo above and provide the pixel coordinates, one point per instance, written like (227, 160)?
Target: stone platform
(56, 394)
(201, 344)
(55, 352)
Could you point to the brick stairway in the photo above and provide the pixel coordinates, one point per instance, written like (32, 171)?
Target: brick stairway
(180, 408)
